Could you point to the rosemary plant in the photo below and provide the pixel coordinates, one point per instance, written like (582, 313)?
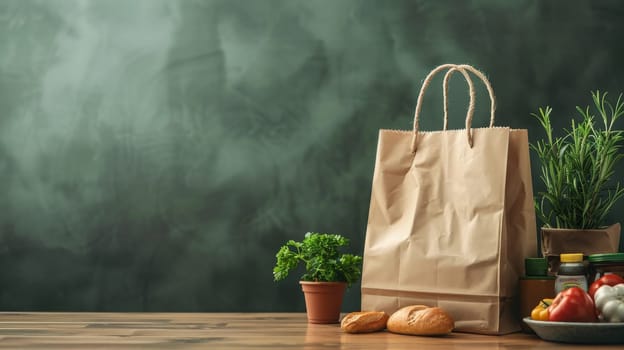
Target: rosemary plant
(578, 168)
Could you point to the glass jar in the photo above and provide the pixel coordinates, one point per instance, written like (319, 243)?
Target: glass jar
(571, 273)
(602, 264)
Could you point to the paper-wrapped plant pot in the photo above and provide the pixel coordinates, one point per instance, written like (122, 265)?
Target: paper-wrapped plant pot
(555, 241)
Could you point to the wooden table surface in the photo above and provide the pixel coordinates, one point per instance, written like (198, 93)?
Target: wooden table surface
(225, 331)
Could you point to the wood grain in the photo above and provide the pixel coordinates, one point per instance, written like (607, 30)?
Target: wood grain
(224, 331)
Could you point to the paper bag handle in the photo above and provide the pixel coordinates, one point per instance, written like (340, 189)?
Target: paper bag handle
(462, 68)
(488, 86)
(471, 94)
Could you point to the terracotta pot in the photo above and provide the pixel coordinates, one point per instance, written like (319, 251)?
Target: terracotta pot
(556, 241)
(323, 300)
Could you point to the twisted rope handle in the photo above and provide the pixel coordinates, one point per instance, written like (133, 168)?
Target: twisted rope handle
(488, 86)
(469, 115)
(447, 77)
(425, 85)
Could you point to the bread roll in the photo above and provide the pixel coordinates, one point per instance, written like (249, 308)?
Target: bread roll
(364, 322)
(420, 320)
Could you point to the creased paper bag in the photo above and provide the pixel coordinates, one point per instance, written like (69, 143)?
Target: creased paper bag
(451, 219)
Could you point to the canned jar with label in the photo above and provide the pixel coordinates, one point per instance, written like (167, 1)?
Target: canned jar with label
(571, 273)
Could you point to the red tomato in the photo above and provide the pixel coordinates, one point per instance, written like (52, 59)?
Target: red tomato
(572, 305)
(609, 280)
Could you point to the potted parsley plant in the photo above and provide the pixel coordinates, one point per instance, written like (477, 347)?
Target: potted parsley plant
(328, 272)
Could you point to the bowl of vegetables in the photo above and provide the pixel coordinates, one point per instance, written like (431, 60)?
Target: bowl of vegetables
(576, 316)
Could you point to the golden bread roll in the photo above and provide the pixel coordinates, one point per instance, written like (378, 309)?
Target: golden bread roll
(364, 322)
(420, 320)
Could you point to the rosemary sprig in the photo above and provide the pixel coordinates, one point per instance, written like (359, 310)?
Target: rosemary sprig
(577, 168)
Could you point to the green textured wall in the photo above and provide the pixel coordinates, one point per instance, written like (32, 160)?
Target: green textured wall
(155, 154)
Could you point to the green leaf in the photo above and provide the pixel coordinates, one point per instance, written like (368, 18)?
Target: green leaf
(321, 256)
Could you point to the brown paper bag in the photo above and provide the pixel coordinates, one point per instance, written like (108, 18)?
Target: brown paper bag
(451, 220)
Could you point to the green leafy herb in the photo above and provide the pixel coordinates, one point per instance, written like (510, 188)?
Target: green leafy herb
(577, 168)
(322, 258)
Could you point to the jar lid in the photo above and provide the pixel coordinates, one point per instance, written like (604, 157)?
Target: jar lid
(536, 266)
(571, 258)
(611, 257)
